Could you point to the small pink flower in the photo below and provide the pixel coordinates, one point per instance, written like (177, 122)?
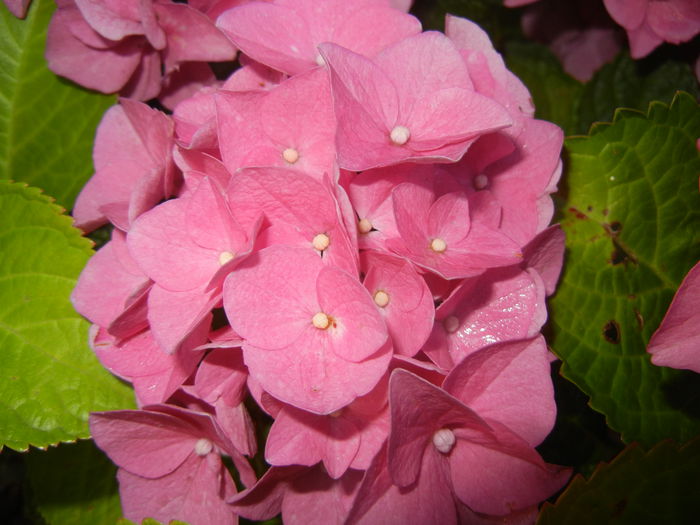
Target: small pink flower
(312, 334)
(414, 100)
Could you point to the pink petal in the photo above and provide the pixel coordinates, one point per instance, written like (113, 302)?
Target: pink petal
(18, 7)
(493, 481)
(510, 383)
(106, 70)
(676, 343)
(148, 444)
(418, 410)
(312, 378)
(358, 329)
(274, 288)
(410, 312)
(195, 492)
(191, 36)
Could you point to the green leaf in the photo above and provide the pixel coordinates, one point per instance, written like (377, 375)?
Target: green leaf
(554, 92)
(74, 483)
(632, 84)
(49, 379)
(498, 21)
(632, 220)
(47, 124)
(636, 488)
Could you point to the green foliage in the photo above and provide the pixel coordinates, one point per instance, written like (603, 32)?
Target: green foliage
(554, 92)
(47, 124)
(660, 486)
(498, 22)
(74, 483)
(50, 380)
(631, 84)
(632, 219)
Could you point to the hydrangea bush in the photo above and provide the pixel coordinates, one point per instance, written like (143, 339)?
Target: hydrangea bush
(322, 271)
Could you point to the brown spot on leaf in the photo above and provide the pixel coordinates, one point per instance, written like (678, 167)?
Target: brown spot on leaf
(640, 319)
(578, 214)
(611, 332)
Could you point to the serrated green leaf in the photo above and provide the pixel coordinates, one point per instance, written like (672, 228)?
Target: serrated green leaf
(74, 483)
(47, 124)
(631, 84)
(554, 92)
(632, 220)
(636, 488)
(49, 380)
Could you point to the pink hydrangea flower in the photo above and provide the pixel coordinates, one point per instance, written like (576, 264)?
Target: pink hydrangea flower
(120, 46)
(650, 22)
(285, 34)
(328, 344)
(413, 101)
(170, 463)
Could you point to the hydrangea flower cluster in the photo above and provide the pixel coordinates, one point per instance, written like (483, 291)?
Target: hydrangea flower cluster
(352, 231)
(585, 35)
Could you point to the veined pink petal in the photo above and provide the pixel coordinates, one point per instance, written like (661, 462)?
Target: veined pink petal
(196, 492)
(511, 383)
(271, 297)
(358, 330)
(191, 36)
(403, 298)
(106, 70)
(112, 19)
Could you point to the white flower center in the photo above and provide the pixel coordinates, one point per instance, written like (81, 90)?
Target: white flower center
(438, 245)
(225, 257)
(202, 447)
(400, 135)
(481, 181)
(444, 439)
(381, 298)
(290, 155)
(451, 324)
(321, 242)
(364, 226)
(321, 321)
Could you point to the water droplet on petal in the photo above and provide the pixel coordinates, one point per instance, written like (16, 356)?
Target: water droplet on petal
(381, 298)
(364, 226)
(400, 135)
(202, 447)
(290, 155)
(451, 324)
(438, 245)
(225, 257)
(321, 242)
(321, 321)
(444, 440)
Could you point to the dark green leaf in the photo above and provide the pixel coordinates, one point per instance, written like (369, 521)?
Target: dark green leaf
(554, 92)
(632, 220)
(636, 488)
(73, 484)
(631, 84)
